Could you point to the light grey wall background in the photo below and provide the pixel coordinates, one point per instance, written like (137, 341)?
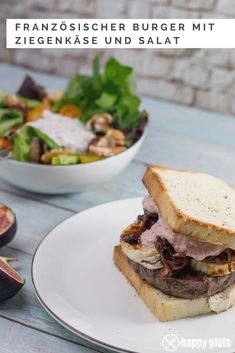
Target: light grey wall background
(202, 78)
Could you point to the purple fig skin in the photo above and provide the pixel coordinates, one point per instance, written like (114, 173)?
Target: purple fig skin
(9, 233)
(9, 288)
(10, 280)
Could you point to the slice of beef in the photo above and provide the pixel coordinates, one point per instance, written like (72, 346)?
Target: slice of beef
(187, 284)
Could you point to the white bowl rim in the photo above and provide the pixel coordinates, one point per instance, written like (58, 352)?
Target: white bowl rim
(80, 165)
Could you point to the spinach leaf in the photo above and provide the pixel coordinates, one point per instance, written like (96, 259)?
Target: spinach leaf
(119, 75)
(112, 91)
(106, 100)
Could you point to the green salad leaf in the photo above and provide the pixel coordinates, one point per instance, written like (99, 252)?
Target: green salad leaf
(21, 149)
(22, 140)
(119, 76)
(38, 133)
(106, 100)
(112, 91)
(9, 118)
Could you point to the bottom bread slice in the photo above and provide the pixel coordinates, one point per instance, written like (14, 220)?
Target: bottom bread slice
(167, 308)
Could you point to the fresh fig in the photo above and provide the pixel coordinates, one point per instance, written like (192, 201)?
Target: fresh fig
(10, 280)
(7, 225)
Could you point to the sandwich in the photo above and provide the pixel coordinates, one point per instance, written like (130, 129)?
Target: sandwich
(179, 254)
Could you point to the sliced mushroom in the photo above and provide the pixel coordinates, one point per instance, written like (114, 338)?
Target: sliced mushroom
(105, 141)
(106, 146)
(118, 135)
(100, 122)
(106, 151)
(55, 95)
(112, 138)
(12, 101)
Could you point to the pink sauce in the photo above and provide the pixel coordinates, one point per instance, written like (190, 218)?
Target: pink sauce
(181, 243)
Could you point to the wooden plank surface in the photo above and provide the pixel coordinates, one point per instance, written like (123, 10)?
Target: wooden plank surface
(178, 137)
(194, 123)
(24, 307)
(34, 220)
(15, 337)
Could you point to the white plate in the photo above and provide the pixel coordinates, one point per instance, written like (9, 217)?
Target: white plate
(77, 283)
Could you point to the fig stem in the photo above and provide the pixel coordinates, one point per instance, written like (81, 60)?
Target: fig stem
(8, 259)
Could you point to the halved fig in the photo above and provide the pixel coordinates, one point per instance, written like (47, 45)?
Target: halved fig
(7, 225)
(10, 280)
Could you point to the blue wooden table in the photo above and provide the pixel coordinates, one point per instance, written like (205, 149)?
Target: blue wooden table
(178, 137)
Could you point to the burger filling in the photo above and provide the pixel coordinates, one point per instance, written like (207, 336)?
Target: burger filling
(175, 263)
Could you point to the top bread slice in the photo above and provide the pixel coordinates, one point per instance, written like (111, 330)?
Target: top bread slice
(194, 204)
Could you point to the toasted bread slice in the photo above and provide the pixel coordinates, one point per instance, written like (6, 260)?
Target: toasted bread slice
(168, 308)
(194, 204)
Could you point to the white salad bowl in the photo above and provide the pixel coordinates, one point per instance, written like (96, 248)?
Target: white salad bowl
(49, 179)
